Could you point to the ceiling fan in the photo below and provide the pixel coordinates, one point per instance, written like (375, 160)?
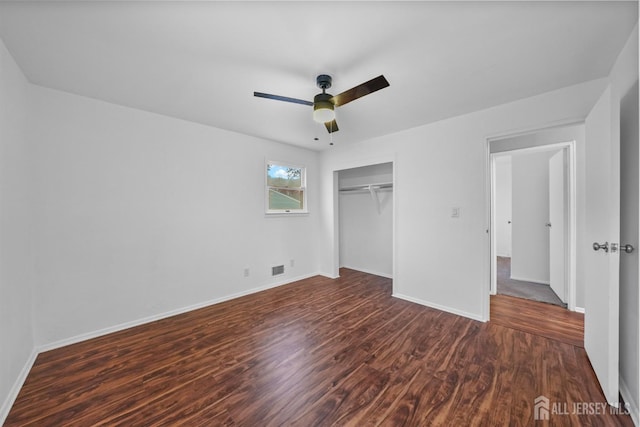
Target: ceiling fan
(324, 103)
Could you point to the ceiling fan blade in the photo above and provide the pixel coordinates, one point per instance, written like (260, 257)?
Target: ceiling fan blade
(282, 98)
(332, 126)
(361, 90)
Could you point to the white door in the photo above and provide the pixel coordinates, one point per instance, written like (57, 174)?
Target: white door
(503, 205)
(601, 341)
(557, 225)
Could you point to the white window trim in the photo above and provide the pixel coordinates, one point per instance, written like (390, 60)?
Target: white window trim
(303, 187)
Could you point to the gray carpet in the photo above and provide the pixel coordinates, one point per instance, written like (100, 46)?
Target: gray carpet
(529, 290)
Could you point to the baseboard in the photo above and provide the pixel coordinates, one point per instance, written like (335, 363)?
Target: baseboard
(329, 276)
(440, 307)
(364, 270)
(580, 310)
(153, 318)
(631, 404)
(17, 385)
(527, 279)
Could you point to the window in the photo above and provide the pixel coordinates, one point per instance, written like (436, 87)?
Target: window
(286, 188)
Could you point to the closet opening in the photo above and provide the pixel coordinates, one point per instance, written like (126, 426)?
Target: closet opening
(365, 219)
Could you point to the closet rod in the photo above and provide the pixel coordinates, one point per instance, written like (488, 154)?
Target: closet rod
(367, 187)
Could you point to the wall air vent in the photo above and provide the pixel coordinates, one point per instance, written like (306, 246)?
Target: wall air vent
(278, 269)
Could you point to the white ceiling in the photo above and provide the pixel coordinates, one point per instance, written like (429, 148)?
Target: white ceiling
(201, 61)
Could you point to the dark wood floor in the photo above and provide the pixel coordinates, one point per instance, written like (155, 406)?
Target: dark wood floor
(538, 318)
(318, 352)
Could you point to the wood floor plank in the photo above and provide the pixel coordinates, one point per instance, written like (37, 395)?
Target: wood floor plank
(319, 352)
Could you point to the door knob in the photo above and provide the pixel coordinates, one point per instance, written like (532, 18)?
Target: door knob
(597, 246)
(548, 224)
(627, 248)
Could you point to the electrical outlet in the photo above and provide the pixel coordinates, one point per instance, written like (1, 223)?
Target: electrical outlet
(292, 262)
(246, 272)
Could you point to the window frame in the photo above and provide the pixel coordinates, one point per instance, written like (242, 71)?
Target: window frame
(303, 188)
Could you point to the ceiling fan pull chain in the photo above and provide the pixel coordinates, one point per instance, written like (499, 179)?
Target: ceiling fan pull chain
(331, 138)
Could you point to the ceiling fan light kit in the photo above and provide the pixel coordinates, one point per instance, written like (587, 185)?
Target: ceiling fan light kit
(323, 110)
(324, 103)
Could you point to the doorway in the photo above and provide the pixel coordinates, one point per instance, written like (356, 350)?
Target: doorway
(530, 222)
(533, 234)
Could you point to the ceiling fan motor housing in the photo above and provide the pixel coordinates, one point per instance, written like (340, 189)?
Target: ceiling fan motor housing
(324, 100)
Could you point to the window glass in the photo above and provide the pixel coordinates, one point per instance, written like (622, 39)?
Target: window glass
(286, 190)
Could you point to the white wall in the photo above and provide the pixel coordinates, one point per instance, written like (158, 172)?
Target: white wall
(624, 78)
(366, 227)
(16, 257)
(530, 239)
(503, 202)
(140, 215)
(442, 261)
